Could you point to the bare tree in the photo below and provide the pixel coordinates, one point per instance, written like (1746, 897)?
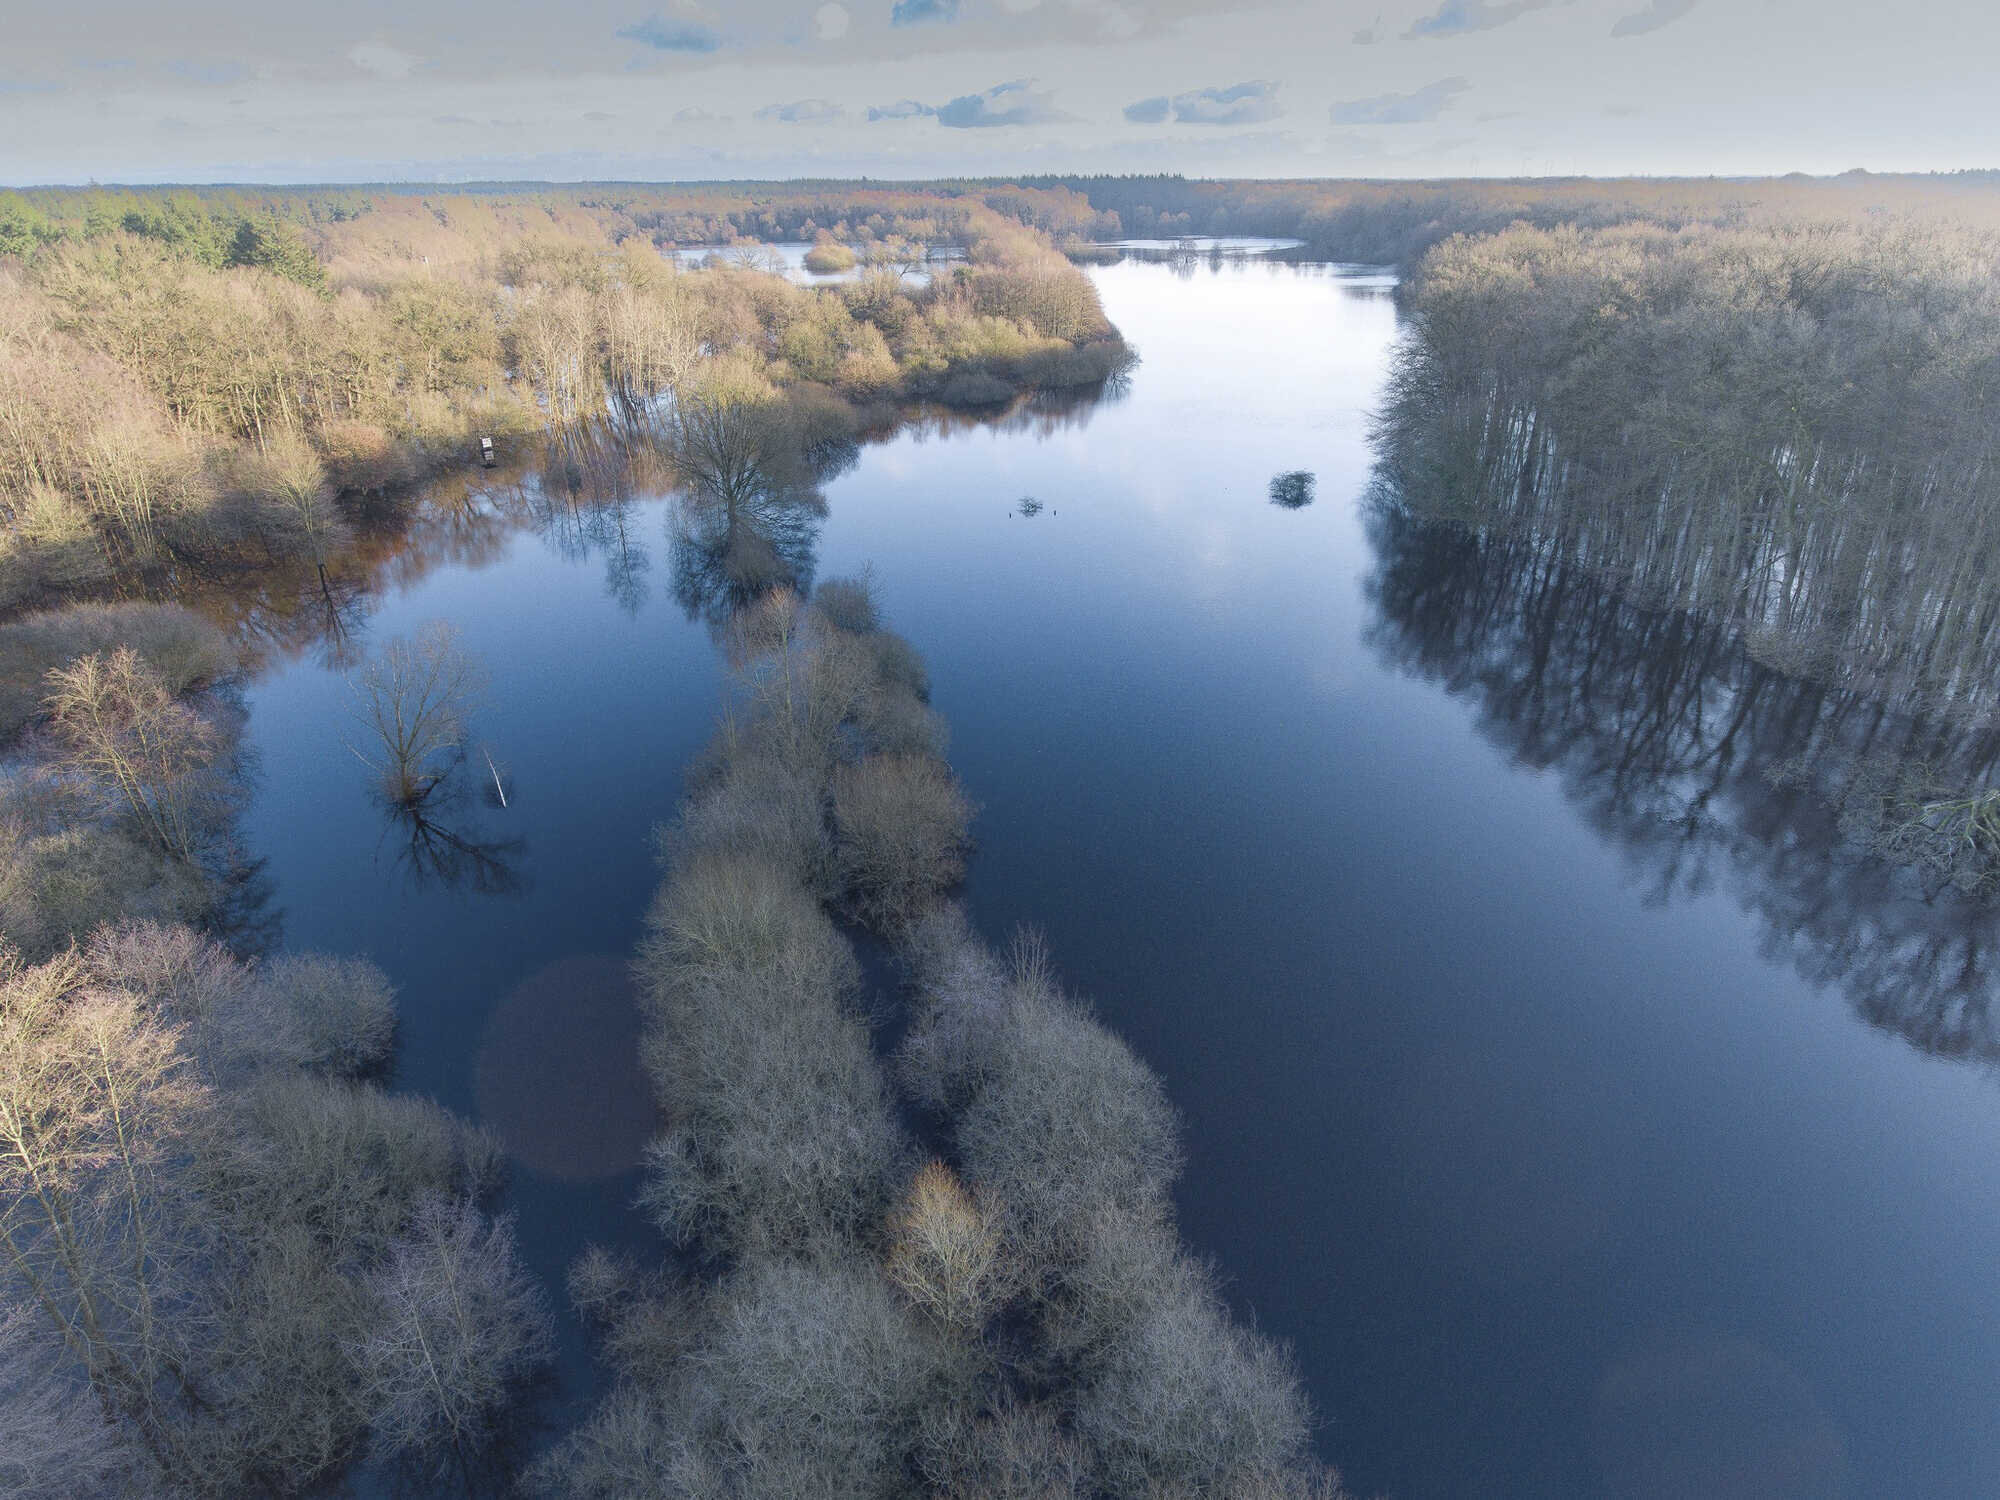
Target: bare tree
(813, 1379)
(557, 339)
(1189, 1398)
(94, 1095)
(946, 1254)
(343, 1008)
(138, 478)
(461, 1324)
(414, 699)
(652, 340)
(186, 650)
(141, 746)
(55, 1443)
(901, 831)
(292, 474)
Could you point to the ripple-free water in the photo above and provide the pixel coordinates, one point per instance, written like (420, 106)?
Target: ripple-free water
(1559, 1176)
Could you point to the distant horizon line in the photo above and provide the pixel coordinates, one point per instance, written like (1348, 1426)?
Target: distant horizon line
(981, 179)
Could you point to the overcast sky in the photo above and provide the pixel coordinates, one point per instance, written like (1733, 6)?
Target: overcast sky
(230, 90)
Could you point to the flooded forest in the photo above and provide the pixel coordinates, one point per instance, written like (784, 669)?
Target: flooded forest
(1075, 837)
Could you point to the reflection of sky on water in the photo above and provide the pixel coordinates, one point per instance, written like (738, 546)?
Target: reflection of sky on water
(788, 257)
(1523, 1151)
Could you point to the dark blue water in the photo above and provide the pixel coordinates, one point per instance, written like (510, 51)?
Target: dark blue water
(1529, 1096)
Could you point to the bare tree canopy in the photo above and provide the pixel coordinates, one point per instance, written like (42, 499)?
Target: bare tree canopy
(414, 699)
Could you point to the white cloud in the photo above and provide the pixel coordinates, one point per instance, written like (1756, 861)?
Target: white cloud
(1016, 103)
(1425, 104)
(1457, 17)
(830, 22)
(1657, 14)
(383, 61)
(803, 112)
(1251, 103)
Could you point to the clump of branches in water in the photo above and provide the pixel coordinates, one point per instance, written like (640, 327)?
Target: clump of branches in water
(1294, 490)
(1914, 816)
(414, 701)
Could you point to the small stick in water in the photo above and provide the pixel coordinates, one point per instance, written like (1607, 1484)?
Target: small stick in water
(496, 775)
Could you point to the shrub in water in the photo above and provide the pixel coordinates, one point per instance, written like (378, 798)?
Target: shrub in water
(901, 829)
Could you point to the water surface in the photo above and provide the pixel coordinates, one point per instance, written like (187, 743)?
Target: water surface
(1588, 1120)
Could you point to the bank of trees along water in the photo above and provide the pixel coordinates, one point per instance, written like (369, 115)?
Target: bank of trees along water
(228, 1258)
(1838, 805)
(1797, 429)
(163, 403)
(1787, 427)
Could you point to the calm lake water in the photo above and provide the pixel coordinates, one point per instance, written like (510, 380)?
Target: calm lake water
(1586, 1129)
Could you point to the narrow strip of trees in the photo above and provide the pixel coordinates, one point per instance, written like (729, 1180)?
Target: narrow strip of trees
(998, 1306)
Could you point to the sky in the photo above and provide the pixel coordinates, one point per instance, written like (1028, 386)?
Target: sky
(453, 90)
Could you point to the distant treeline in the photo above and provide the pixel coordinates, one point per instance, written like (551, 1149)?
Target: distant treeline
(217, 229)
(194, 376)
(1383, 221)
(1396, 222)
(665, 214)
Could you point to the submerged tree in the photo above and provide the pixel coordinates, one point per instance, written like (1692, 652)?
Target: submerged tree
(414, 699)
(748, 516)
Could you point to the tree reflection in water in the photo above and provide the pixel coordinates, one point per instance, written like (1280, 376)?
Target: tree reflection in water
(1680, 741)
(440, 842)
(748, 512)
